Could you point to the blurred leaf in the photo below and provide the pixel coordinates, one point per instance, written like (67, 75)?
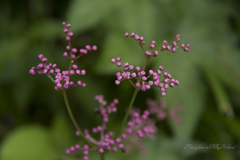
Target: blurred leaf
(27, 143)
(140, 20)
(221, 97)
(233, 125)
(10, 49)
(189, 94)
(46, 29)
(22, 93)
(61, 132)
(85, 14)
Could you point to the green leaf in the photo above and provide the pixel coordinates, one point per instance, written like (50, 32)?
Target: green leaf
(45, 29)
(86, 14)
(10, 49)
(219, 93)
(27, 143)
(135, 16)
(189, 94)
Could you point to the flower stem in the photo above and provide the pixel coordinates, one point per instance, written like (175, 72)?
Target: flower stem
(128, 111)
(102, 156)
(73, 119)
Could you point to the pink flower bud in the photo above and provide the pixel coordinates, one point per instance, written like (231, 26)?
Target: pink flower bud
(94, 48)
(88, 47)
(65, 54)
(138, 84)
(174, 50)
(74, 50)
(70, 34)
(65, 30)
(68, 25)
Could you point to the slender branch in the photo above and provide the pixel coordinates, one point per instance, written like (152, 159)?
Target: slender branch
(142, 49)
(145, 63)
(50, 77)
(131, 83)
(128, 111)
(73, 119)
(70, 65)
(102, 156)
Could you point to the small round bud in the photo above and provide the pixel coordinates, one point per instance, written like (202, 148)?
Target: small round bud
(138, 84)
(67, 151)
(65, 30)
(83, 72)
(70, 34)
(74, 50)
(113, 60)
(68, 47)
(101, 150)
(88, 47)
(118, 59)
(169, 48)
(32, 72)
(148, 53)
(164, 47)
(174, 44)
(126, 34)
(68, 25)
(65, 54)
(118, 64)
(117, 82)
(174, 50)
(68, 38)
(136, 37)
(94, 48)
(163, 94)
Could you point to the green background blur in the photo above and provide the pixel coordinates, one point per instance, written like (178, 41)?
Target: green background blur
(33, 120)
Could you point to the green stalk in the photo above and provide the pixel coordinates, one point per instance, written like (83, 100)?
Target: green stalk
(102, 156)
(128, 111)
(73, 119)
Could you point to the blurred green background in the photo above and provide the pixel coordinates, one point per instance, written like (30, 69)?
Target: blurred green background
(33, 119)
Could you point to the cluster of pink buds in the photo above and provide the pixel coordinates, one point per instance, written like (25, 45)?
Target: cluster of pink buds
(73, 52)
(104, 111)
(62, 78)
(84, 149)
(138, 127)
(165, 46)
(143, 79)
(161, 110)
(107, 142)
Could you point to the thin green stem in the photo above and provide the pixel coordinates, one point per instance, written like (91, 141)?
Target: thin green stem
(128, 111)
(102, 156)
(50, 77)
(73, 119)
(145, 63)
(70, 65)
